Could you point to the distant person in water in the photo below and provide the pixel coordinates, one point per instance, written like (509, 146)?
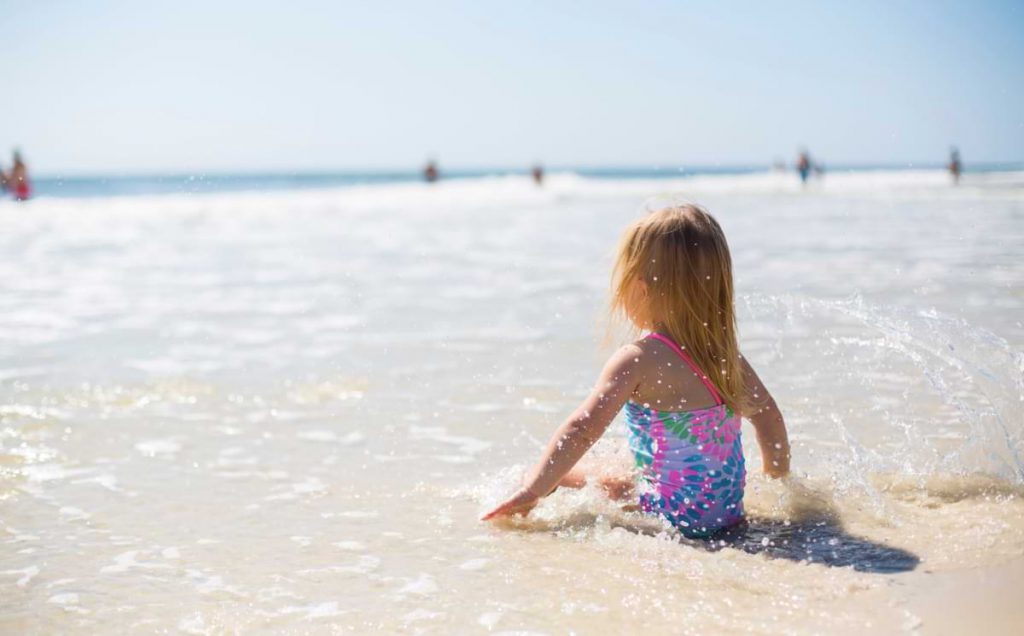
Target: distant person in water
(803, 165)
(17, 179)
(955, 167)
(430, 172)
(538, 174)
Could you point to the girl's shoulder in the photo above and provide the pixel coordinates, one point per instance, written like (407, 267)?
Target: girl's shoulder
(639, 356)
(644, 350)
(643, 358)
(652, 350)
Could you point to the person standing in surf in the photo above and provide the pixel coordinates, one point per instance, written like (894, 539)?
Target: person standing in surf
(684, 386)
(431, 172)
(803, 166)
(17, 179)
(955, 166)
(537, 172)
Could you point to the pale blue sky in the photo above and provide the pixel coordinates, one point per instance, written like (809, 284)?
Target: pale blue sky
(220, 86)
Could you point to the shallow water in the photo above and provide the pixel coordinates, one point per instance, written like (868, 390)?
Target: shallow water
(283, 412)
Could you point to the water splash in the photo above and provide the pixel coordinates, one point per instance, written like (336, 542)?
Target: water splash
(911, 392)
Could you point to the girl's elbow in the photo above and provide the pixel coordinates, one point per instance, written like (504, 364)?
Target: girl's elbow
(762, 408)
(770, 404)
(585, 429)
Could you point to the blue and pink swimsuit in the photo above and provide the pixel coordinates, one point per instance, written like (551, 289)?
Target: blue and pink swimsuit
(691, 464)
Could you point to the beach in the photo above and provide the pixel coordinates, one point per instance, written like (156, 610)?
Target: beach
(283, 411)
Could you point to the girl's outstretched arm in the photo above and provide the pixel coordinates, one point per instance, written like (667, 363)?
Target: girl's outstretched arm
(618, 380)
(764, 414)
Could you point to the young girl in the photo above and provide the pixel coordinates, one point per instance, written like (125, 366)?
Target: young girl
(685, 385)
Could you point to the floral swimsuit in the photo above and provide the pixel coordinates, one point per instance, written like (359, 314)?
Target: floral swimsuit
(691, 462)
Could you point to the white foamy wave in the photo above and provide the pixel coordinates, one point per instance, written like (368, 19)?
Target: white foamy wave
(421, 198)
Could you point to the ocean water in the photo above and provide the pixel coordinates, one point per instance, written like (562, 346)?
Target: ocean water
(254, 411)
(86, 186)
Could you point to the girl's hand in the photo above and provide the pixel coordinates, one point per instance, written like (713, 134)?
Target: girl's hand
(518, 504)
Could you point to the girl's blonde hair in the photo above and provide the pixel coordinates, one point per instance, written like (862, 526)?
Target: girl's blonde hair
(680, 253)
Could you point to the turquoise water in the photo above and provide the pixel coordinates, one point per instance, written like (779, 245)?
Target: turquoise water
(200, 182)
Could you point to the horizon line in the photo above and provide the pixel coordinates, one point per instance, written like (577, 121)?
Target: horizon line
(522, 169)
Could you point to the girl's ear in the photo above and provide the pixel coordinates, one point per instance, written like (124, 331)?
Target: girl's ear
(640, 304)
(639, 291)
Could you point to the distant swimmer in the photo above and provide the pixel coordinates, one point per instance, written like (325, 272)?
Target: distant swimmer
(17, 179)
(430, 172)
(803, 165)
(538, 174)
(955, 166)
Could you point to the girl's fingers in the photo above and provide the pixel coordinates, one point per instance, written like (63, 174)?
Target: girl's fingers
(521, 503)
(492, 514)
(500, 510)
(507, 508)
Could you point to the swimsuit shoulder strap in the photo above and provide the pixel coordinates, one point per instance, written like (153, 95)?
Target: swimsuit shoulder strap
(682, 354)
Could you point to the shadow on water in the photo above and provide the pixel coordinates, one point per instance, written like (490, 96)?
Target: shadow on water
(811, 532)
(819, 539)
(822, 541)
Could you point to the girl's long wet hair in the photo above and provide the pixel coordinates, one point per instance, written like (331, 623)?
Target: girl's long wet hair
(681, 254)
